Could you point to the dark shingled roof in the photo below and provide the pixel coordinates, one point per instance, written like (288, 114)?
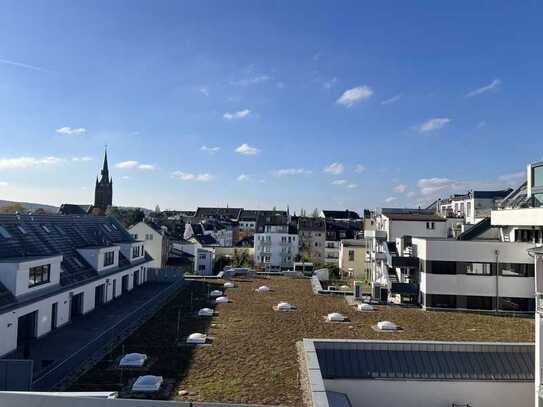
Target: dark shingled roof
(411, 360)
(229, 213)
(73, 209)
(54, 235)
(346, 214)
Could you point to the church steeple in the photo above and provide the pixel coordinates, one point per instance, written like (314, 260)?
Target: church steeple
(103, 193)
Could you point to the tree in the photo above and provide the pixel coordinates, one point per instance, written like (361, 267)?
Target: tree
(126, 216)
(14, 208)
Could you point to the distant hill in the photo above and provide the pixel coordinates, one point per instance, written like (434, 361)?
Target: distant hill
(29, 205)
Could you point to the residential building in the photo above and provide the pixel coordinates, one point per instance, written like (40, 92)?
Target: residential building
(203, 261)
(346, 215)
(312, 239)
(203, 213)
(156, 241)
(335, 232)
(354, 258)
(276, 243)
(54, 268)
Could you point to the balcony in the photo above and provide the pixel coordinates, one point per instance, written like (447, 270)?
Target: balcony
(376, 234)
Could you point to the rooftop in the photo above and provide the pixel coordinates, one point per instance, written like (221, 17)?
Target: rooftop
(253, 357)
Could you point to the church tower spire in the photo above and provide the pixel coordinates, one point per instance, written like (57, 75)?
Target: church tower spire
(103, 193)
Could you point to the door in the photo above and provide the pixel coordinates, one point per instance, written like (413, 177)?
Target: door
(136, 278)
(54, 316)
(114, 294)
(76, 306)
(99, 294)
(124, 284)
(26, 331)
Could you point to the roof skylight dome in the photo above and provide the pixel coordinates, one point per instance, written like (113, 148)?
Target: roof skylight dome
(216, 293)
(344, 288)
(147, 383)
(228, 284)
(263, 289)
(336, 317)
(133, 360)
(284, 306)
(205, 312)
(197, 338)
(387, 326)
(365, 307)
(221, 300)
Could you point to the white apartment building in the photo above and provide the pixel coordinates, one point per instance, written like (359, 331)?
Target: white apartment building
(54, 268)
(276, 243)
(156, 241)
(203, 261)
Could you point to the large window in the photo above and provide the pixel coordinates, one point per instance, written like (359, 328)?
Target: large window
(442, 301)
(479, 269)
(137, 251)
(442, 267)
(39, 275)
(351, 255)
(479, 302)
(537, 176)
(517, 304)
(516, 269)
(109, 258)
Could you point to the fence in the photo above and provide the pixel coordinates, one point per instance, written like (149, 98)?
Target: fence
(66, 371)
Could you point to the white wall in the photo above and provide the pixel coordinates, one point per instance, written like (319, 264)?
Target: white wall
(278, 251)
(399, 228)
(15, 276)
(9, 319)
(203, 257)
(517, 217)
(95, 257)
(152, 246)
(422, 393)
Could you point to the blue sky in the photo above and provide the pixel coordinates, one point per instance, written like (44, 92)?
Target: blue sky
(259, 104)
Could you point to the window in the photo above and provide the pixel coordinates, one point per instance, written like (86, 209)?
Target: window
(537, 176)
(137, 251)
(468, 208)
(481, 269)
(538, 199)
(39, 275)
(517, 304)
(430, 225)
(351, 255)
(516, 269)
(202, 256)
(441, 267)
(201, 267)
(283, 239)
(267, 259)
(479, 302)
(109, 258)
(442, 301)
(135, 236)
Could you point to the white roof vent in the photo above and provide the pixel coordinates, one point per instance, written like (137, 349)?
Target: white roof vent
(336, 317)
(147, 383)
(220, 274)
(133, 360)
(263, 289)
(365, 307)
(284, 306)
(215, 293)
(197, 338)
(228, 284)
(221, 300)
(387, 326)
(205, 312)
(345, 288)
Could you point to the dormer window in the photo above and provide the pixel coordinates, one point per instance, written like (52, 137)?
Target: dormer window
(39, 275)
(137, 251)
(109, 258)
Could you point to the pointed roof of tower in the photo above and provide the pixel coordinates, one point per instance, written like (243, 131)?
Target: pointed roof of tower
(105, 169)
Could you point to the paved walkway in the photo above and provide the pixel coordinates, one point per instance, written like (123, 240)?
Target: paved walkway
(61, 343)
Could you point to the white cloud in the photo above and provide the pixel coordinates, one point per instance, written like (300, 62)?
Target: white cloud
(210, 150)
(330, 83)
(126, 177)
(513, 178)
(204, 91)
(359, 168)
(429, 186)
(434, 124)
(84, 158)
(481, 124)
(411, 194)
(334, 168)
(187, 176)
(393, 99)
(243, 177)
(71, 131)
(21, 65)
(400, 188)
(352, 186)
(390, 199)
(355, 95)
(3, 184)
(126, 165)
(291, 171)
(251, 81)
(147, 167)
(242, 114)
(492, 86)
(339, 182)
(28, 162)
(132, 164)
(246, 149)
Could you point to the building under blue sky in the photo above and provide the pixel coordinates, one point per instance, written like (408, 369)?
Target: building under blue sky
(260, 104)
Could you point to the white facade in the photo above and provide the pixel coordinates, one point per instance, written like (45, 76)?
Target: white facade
(331, 252)
(275, 250)
(156, 243)
(203, 261)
